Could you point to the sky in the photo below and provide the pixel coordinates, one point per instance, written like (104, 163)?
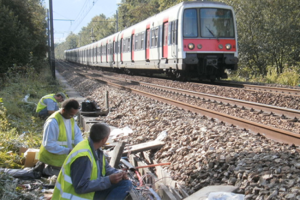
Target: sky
(71, 15)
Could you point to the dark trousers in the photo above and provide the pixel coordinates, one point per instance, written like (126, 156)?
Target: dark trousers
(116, 192)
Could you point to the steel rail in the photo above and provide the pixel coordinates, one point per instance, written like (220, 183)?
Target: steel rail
(292, 113)
(286, 91)
(270, 132)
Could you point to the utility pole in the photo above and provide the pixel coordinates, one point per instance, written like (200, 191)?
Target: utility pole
(49, 38)
(92, 35)
(52, 40)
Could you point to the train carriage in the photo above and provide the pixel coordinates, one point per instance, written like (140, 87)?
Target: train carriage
(195, 39)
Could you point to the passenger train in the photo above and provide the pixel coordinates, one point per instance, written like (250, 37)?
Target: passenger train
(195, 39)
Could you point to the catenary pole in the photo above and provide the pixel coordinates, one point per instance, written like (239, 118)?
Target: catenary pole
(49, 37)
(52, 40)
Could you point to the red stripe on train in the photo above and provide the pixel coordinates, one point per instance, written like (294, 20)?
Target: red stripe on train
(209, 44)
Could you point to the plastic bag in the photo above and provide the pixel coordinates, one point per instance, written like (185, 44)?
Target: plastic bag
(162, 136)
(25, 174)
(225, 196)
(121, 132)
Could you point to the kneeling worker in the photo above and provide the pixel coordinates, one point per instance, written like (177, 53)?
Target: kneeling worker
(60, 135)
(48, 104)
(85, 173)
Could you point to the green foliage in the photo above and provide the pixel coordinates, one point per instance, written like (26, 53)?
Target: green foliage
(268, 38)
(5, 179)
(289, 76)
(19, 124)
(22, 30)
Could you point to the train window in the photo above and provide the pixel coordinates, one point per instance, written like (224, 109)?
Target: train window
(190, 23)
(116, 47)
(154, 39)
(142, 44)
(128, 44)
(216, 23)
(124, 45)
(136, 38)
(174, 32)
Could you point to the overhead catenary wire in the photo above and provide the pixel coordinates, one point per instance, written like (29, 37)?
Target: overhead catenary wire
(83, 13)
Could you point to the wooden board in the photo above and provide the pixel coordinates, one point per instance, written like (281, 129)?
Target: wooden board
(143, 147)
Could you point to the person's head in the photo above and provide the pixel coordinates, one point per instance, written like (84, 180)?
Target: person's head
(99, 134)
(69, 108)
(60, 97)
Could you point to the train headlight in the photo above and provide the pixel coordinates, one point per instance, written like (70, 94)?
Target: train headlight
(199, 46)
(228, 46)
(220, 46)
(191, 46)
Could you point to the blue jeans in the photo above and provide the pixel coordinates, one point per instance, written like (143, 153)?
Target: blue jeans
(43, 113)
(115, 192)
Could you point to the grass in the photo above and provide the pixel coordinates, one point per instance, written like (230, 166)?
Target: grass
(19, 124)
(290, 77)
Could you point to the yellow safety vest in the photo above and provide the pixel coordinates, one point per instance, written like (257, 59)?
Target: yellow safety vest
(64, 188)
(57, 160)
(41, 105)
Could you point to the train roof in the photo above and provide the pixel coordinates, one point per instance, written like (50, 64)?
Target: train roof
(204, 2)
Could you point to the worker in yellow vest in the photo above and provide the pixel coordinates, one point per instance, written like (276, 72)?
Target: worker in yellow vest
(86, 174)
(48, 104)
(61, 134)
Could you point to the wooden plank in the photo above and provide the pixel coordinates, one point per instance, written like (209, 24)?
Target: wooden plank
(165, 194)
(182, 190)
(147, 155)
(117, 154)
(204, 192)
(144, 147)
(133, 195)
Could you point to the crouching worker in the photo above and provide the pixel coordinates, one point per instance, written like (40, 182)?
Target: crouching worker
(85, 173)
(60, 135)
(49, 104)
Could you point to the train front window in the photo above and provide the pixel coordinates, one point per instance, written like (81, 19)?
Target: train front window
(190, 25)
(216, 23)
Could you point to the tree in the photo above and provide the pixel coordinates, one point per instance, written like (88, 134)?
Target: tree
(22, 30)
(267, 32)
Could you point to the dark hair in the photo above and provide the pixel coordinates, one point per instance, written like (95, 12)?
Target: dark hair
(99, 131)
(69, 104)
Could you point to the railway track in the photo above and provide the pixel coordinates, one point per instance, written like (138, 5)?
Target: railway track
(249, 87)
(254, 127)
(202, 150)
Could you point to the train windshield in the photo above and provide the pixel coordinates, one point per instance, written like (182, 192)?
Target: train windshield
(214, 22)
(190, 25)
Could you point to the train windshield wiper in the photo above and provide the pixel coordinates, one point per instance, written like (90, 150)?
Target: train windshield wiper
(212, 33)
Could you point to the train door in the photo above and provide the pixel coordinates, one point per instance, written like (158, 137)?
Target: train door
(101, 53)
(96, 53)
(121, 49)
(113, 48)
(174, 38)
(165, 40)
(93, 54)
(106, 49)
(148, 44)
(132, 47)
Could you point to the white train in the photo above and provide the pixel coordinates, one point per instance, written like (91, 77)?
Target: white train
(196, 39)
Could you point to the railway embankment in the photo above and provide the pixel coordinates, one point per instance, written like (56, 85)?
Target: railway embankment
(202, 151)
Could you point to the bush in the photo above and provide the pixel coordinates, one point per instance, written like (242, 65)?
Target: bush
(19, 124)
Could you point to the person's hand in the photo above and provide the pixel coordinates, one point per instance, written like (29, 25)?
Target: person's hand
(125, 176)
(116, 178)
